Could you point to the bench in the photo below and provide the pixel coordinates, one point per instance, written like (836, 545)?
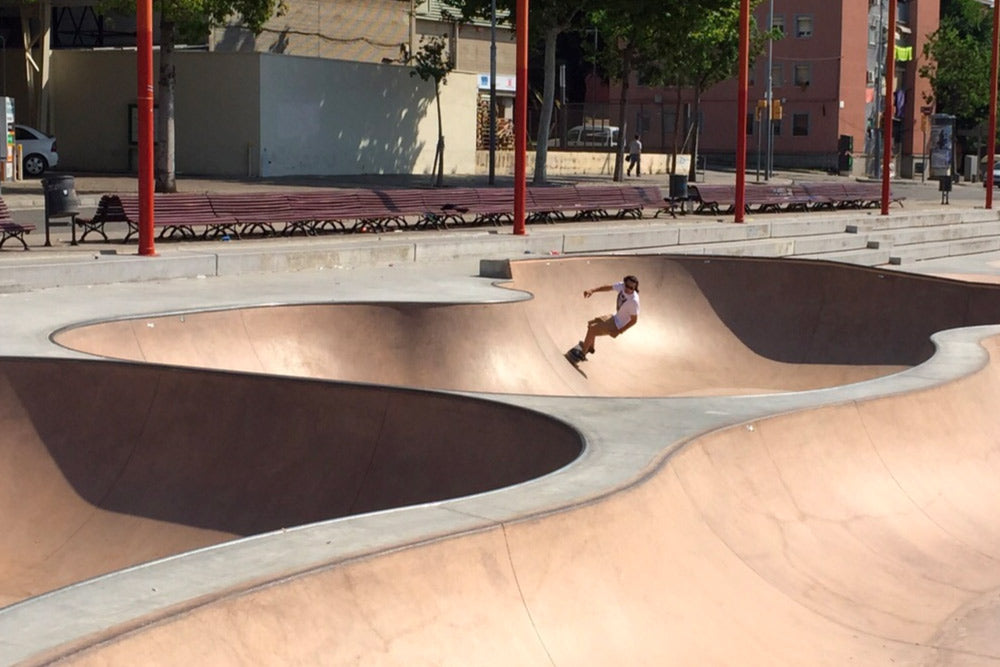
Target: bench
(585, 202)
(9, 229)
(550, 203)
(450, 205)
(601, 202)
(847, 195)
(178, 214)
(712, 198)
(320, 210)
(109, 209)
(639, 198)
(254, 212)
(494, 206)
(827, 195)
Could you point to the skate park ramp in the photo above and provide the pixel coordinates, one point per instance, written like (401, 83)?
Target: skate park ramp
(109, 465)
(708, 326)
(861, 531)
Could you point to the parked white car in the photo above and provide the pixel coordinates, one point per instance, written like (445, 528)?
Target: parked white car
(38, 150)
(589, 136)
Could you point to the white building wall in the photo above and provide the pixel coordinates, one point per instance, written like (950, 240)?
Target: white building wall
(253, 114)
(339, 117)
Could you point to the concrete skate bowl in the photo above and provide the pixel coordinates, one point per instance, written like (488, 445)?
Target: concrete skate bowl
(718, 326)
(862, 532)
(107, 465)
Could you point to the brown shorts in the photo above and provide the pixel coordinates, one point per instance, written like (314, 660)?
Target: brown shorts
(603, 325)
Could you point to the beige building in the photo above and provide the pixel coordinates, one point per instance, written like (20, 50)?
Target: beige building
(322, 90)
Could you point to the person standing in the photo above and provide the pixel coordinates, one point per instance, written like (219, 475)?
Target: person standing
(625, 317)
(634, 155)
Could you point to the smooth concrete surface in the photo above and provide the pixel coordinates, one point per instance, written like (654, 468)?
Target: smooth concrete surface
(815, 523)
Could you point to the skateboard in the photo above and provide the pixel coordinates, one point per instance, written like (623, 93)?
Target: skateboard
(575, 355)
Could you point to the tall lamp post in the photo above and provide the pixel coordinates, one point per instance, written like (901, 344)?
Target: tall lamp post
(144, 108)
(890, 79)
(521, 117)
(493, 91)
(769, 160)
(741, 111)
(991, 140)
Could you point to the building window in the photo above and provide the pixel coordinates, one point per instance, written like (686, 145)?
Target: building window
(776, 124)
(749, 124)
(800, 125)
(779, 24)
(804, 25)
(751, 75)
(777, 76)
(802, 74)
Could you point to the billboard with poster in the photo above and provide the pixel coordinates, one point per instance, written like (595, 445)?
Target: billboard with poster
(942, 145)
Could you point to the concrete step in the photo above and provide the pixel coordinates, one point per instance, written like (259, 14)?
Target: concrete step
(841, 242)
(861, 257)
(873, 221)
(809, 226)
(914, 235)
(719, 232)
(921, 251)
(777, 247)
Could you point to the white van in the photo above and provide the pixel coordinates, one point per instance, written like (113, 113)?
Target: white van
(589, 136)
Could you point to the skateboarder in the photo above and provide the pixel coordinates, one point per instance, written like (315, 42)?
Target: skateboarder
(626, 315)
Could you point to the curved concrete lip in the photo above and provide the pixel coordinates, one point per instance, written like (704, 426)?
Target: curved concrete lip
(614, 461)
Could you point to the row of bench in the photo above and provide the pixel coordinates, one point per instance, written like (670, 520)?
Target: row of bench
(795, 197)
(215, 215)
(10, 229)
(232, 215)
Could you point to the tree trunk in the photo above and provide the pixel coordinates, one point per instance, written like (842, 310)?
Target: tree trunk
(693, 169)
(548, 102)
(678, 105)
(622, 123)
(440, 146)
(166, 180)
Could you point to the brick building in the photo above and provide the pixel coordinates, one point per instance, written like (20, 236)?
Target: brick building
(827, 76)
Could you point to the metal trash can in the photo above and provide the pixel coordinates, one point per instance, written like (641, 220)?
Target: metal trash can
(678, 186)
(61, 201)
(944, 186)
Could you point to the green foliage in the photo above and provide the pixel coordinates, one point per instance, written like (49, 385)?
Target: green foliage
(195, 18)
(546, 15)
(431, 61)
(957, 58)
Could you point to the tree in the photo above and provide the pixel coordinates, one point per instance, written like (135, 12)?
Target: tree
(430, 63)
(189, 21)
(703, 51)
(958, 60)
(549, 19)
(638, 33)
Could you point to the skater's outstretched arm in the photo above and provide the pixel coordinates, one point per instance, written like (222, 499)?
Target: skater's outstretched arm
(602, 288)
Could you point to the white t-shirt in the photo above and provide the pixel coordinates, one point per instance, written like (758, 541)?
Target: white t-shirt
(628, 305)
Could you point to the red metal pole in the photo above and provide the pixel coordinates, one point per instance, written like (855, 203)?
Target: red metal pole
(741, 111)
(144, 107)
(887, 114)
(991, 139)
(521, 116)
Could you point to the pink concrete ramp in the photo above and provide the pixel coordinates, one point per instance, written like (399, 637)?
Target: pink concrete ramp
(104, 466)
(718, 326)
(862, 532)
